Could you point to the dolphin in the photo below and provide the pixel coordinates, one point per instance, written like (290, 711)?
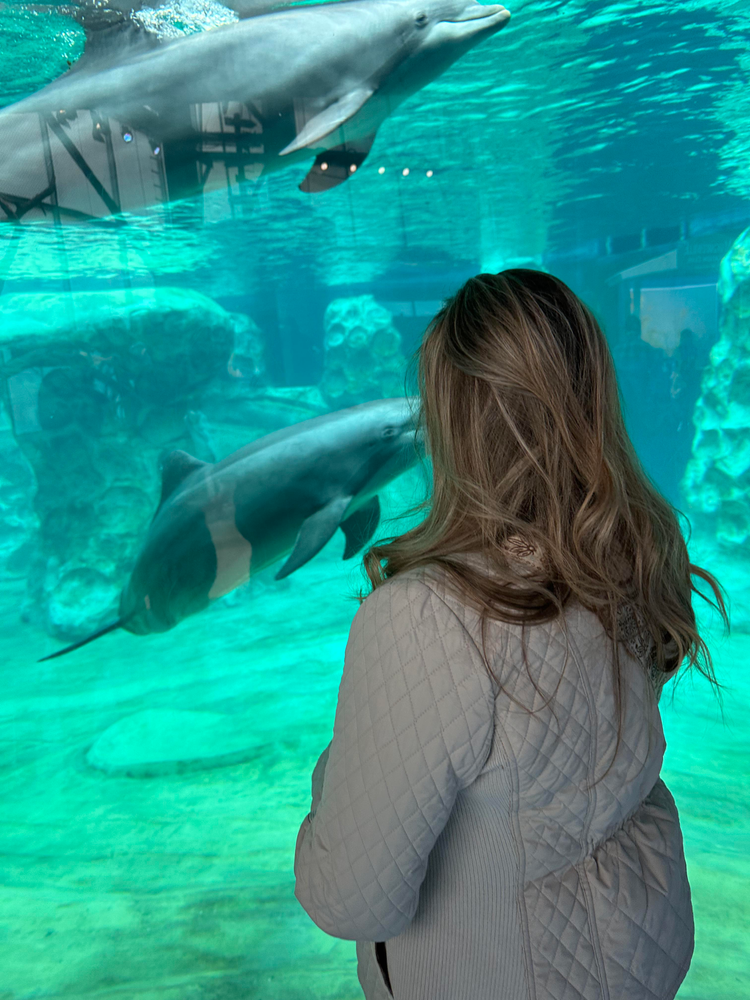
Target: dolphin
(315, 79)
(284, 494)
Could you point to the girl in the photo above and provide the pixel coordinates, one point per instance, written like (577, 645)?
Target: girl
(488, 821)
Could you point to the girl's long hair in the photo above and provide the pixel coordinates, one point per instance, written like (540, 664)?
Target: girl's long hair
(521, 414)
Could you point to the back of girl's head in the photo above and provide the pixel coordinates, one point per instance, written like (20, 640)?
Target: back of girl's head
(523, 423)
(520, 406)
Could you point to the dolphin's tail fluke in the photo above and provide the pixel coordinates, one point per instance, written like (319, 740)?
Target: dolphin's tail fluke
(82, 642)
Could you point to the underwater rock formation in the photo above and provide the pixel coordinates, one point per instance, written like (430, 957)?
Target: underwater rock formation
(248, 358)
(142, 345)
(717, 480)
(18, 522)
(99, 385)
(363, 357)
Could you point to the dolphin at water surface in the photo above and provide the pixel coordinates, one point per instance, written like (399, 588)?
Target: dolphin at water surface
(316, 78)
(285, 493)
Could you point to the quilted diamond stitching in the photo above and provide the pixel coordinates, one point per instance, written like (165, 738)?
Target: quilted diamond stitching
(411, 733)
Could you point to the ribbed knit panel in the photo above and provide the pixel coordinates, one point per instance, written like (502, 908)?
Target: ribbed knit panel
(468, 924)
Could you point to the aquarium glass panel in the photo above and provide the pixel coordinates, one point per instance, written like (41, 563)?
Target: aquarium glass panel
(224, 230)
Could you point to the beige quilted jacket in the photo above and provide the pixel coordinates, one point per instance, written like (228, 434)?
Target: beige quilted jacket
(458, 829)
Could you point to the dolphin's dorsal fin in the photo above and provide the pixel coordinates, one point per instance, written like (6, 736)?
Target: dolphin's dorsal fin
(112, 36)
(360, 526)
(313, 535)
(330, 118)
(338, 161)
(175, 469)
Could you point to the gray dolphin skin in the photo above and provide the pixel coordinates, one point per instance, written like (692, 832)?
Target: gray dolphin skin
(284, 494)
(316, 78)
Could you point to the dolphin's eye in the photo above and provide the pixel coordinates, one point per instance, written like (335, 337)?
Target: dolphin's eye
(389, 432)
(421, 20)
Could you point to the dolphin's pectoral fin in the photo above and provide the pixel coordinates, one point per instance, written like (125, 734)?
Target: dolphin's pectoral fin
(329, 118)
(313, 535)
(175, 469)
(84, 642)
(360, 527)
(334, 166)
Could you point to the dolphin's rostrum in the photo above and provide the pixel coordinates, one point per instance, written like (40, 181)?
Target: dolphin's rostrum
(285, 493)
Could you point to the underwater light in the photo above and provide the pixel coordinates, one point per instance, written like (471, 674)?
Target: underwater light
(156, 150)
(405, 172)
(324, 166)
(429, 173)
(127, 136)
(352, 168)
(381, 170)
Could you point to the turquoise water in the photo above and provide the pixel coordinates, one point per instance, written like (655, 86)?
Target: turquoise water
(152, 786)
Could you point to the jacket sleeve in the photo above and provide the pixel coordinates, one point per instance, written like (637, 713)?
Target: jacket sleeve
(413, 726)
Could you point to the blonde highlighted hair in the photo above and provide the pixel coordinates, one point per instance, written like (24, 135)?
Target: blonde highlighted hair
(521, 414)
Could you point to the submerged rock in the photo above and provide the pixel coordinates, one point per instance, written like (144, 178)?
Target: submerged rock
(142, 344)
(18, 522)
(81, 595)
(158, 742)
(363, 357)
(717, 480)
(248, 358)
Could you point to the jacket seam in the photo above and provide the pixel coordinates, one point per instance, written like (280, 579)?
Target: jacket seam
(595, 939)
(520, 894)
(582, 874)
(594, 743)
(453, 614)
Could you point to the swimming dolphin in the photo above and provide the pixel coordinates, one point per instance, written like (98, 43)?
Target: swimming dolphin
(312, 79)
(287, 492)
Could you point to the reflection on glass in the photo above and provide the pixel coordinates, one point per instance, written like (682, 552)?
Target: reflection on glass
(226, 105)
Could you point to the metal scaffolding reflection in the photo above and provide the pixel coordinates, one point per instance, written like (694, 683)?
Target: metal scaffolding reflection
(82, 166)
